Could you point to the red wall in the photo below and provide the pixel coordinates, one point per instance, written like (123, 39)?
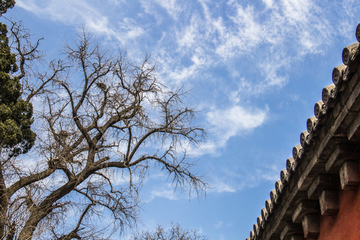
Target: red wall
(345, 225)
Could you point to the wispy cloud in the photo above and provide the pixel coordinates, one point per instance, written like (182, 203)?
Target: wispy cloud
(164, 193)
(187, 36)
(198, 38)
(219, 224)
(222, 124)
(245, 34)
(296, 10)
(235, 179)
(202, 37)
(270, 71)
(234, 121)
(220, 186)
(67, 12)
(172, 7)
(130, 30)
(84, 14)
(268, 3)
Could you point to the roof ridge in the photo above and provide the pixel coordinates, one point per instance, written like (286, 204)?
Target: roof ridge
(331, 140)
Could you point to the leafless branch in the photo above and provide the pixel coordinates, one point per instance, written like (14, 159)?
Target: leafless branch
(101, 114)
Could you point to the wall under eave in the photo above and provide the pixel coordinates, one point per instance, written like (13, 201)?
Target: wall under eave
(345, 225)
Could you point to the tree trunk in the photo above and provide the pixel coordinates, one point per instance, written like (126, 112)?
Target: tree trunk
(3, 204)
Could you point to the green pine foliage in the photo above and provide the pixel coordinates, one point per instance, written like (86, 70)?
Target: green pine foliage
(5, 4)
(15, 113)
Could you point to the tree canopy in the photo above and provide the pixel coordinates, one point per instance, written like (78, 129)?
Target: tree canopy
(98, 117)
(175, 232)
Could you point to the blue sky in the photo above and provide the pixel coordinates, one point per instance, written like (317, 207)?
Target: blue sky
(255, 70)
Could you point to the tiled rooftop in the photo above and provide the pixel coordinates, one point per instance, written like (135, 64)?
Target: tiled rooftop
(322, 164)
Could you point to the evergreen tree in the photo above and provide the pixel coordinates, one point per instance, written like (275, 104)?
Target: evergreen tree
(5, 4)
(15, 114)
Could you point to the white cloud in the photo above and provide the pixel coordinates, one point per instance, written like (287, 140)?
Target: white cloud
(234, 179)
(116, 2)
(235, 120)
(271, 75)
(187, 36)
(171, 6)
(67, 11)
(269, 69)
(268, 3)
(226, 123)
(175, 73)
(219, 186)
(189, 49)
(246, 34)
(129, 29)
(245, 28)
(167, 191)
(82, 13)
(296, 10)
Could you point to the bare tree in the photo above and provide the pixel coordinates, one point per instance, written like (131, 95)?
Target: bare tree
(99, 117)
(175, 232)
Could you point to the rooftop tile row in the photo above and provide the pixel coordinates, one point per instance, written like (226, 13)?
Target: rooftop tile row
(320, 165)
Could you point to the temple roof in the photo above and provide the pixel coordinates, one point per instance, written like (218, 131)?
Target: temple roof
(323, 163)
